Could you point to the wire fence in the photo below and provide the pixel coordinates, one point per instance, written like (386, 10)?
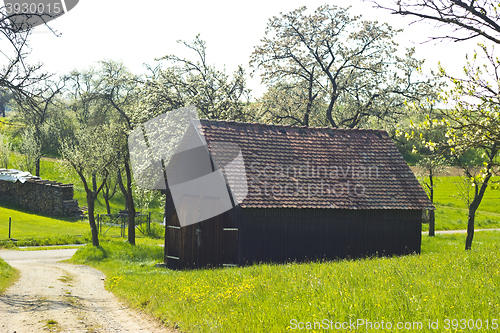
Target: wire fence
(116, 225)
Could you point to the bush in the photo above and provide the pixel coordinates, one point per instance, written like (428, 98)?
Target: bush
(156, 231)
(89, 253)
(118, 251)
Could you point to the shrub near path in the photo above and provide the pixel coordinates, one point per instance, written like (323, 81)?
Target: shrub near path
(442, 284)
(7, 275)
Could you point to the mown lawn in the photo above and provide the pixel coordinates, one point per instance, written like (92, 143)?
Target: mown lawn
(443, 283)
(32, 229)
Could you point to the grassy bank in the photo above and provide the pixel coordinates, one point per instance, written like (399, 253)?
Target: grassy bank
(445, 282)
(7, 275)
(30, 229)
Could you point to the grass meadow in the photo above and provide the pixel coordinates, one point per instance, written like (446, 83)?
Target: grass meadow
(451, 210)
(31, 229)
(422, 293)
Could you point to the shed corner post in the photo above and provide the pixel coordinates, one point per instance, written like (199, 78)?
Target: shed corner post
(169, 209)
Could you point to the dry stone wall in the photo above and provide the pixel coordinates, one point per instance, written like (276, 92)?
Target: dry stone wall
(41, 196)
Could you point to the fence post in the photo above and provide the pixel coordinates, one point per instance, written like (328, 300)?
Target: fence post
(122, 227)
(10, 221)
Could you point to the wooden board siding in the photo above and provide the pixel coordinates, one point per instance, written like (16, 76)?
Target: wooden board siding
(212, 242)
(281, 235)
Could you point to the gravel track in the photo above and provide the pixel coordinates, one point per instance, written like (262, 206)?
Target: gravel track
(51, 296)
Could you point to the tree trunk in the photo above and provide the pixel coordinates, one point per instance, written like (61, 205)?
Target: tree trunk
(108, 208)
(470, 226)
(478, 197)
(93, 227)
(130, 203)
(37, 167)
(107, 197)
(329, 113)
(432, 218)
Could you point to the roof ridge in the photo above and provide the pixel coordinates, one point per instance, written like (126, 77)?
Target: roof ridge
(293, 126)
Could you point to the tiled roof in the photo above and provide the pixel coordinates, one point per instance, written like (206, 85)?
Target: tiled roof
(306, 167)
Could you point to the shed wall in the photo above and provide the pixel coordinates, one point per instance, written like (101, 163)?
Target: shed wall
(246, 236)
(308, 234)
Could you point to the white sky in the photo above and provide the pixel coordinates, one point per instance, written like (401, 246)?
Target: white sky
(137, 32)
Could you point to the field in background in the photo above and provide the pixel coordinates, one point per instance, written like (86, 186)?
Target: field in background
(32, 229)
(443, 283)
(452, 212)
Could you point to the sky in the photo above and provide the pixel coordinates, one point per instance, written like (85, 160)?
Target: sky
(138, 32)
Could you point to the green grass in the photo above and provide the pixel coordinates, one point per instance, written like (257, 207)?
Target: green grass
(8, 275)
(444, 282)
(30, 229)
(451, 212)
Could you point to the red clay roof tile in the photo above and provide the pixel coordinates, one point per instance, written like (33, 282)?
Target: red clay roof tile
(309, 167)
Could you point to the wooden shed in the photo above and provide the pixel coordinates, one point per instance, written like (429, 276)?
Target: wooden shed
(311, 193)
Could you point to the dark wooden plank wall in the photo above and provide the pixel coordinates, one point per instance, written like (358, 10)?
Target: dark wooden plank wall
(281, 235)
(308, 234)
(213, 242)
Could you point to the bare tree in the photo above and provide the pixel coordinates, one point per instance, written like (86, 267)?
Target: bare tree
(475, 18)
(351, 63)
(16, 74)
(92, 157)
(431, 166)
(195, 82)
(118, 92)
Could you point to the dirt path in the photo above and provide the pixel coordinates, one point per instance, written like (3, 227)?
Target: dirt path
(57, 297)
(459, 231)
